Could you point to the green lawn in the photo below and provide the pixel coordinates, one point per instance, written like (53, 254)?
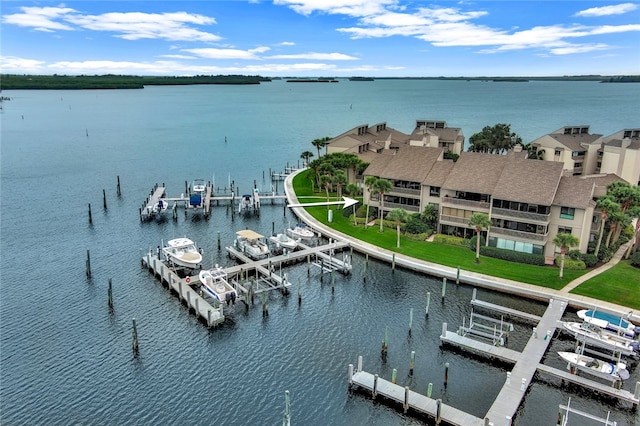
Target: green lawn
(544, 276)
(620, 284)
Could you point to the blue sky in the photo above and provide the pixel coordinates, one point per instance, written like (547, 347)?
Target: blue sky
(322, 38)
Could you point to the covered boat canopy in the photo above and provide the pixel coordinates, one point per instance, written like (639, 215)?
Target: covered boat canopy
(249, 234)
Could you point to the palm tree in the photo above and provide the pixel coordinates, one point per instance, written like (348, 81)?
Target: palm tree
(382, 186)
(606, 205)
(564, 241)
(320, 143)
(306, 155)
(399, 216)
(479, 221)
(369, 183)
(430, 215)
(340, 179)
(325, 180)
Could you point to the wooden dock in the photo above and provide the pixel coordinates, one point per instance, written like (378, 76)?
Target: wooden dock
(502, 309)
(527, 362)
(408, 399)
(182, 287)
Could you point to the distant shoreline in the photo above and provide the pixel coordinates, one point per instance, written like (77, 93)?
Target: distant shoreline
(86, 82)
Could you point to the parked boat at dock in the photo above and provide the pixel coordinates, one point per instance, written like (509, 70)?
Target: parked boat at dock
(251, 243)
(182, 252)
(284, 241)
(198, 186)
(596, 336)
(214, 283)
(610, 322)
(596, 367)
(300, 231)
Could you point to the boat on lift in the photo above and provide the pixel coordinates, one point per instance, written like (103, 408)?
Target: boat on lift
(251, 243)
(618, 324)
(596, 336)
(198, 186)
(300, 231)
(214, 283)
(596, 367)
(182, 252)
(284, 241)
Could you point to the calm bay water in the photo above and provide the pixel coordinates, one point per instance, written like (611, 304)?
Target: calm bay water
(64, 359)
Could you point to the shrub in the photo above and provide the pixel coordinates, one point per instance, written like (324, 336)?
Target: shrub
(451, 240)
(605, 254)
(569, 263)
(416, 226)
(635, 259)
(419, 237)
(513, 256)
(589, 259)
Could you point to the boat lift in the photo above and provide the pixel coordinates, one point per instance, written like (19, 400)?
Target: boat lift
(497, 336)
(563, 416)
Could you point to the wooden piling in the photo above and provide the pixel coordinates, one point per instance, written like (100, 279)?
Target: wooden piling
(438, 411)
(394, 376)
(458, 276)
(104, 199)
(134, 335)
(428, 302)
(118, 192)
(393, 262)
(444, 287)
(110, 296)
(299, 293)
(446, 374)
(90, 218)
(385, 343)
(405, 406)
(218, 240)
(412, 362)
(429, 390)
(88, 265)
(375, 386)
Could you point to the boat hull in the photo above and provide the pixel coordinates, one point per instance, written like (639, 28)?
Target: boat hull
(214, 283)
(601, 338)
(596, 367)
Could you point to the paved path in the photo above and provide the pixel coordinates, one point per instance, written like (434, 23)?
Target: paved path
(486, 281)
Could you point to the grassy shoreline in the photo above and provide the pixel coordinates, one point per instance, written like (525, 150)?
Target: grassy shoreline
(615, 285)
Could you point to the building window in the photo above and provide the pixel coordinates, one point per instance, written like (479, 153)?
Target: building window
(434, 191)
(557, 152)
(577, 165)
(567, 212)
(564, 230)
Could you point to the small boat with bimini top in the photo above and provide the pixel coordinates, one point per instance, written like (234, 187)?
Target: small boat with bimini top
(182, 252)
(198, 186)
(595, 336)
(214, 283)
(596, 367)
(611, 322)
(251, 243)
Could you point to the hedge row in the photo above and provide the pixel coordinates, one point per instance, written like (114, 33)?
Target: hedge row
(513, 256)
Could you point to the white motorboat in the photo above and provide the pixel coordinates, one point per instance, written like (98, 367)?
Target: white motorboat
(300, 231)
(596, 367)
(611, 322)
(284, 241)
(214, 283)
(246, 203)
(198, 186)
(160, 207)
(252, 244)
(182, 252)
(595, 336)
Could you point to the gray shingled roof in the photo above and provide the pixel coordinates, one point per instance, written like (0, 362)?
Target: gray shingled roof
(574, 191)
(529, 181)
(475, 172)
(439, 173)
(410, 163)
(574, 142)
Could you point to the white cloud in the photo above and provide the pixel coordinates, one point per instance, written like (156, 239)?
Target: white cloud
(12, 65)
(286, 43)
(40, 18)
(316, 56)
(177, 26)
(339, 7)
(618, 9)
(214, 53)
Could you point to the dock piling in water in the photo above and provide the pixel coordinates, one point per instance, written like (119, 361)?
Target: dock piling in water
(118, 192)
(412, 362)
(410, 320)
(428, 302)
(444, 287)
(110, 296)
(134, 335)
(394, 376)
(90, 218)
(88, 265)
(104, 199)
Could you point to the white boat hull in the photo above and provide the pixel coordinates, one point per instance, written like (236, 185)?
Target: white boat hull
(595, 336)
(214, 283)
(182, 252)
(301, 232)
(609, 322)
(282, 240)
(596, 367)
